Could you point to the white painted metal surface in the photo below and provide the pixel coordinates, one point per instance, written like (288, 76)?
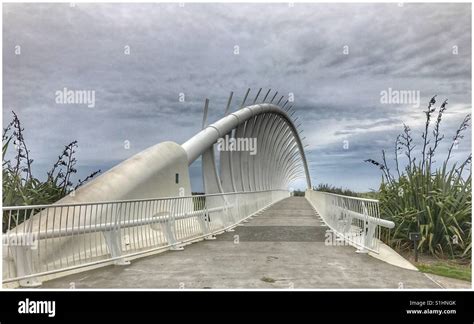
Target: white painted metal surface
(93, 233)
(281, 153)
(354, 220)
(87, 228)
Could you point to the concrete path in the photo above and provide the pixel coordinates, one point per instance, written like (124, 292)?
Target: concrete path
(283, 247)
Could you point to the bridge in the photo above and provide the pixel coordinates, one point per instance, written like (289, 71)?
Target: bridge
(139, 226)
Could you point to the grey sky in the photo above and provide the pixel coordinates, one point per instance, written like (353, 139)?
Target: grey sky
(190, 50)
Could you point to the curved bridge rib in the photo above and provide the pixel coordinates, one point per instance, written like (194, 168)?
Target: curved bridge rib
(279, 161)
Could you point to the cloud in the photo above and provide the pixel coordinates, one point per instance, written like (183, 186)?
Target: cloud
(190, 50)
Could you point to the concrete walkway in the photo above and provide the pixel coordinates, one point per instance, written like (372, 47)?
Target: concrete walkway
(282, 247)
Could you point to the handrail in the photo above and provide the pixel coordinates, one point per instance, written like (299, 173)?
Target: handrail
(353, 219)
(352, 197)
(112, 226)
(74, 236)
(375, 220)
(127, 200)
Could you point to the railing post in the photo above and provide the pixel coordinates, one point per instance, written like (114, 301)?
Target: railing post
(113, 239)
(169, 227)
(170, 236)
(365, 235)
(24, 266)
(111, 231)
(229, 213)
(370, 237)
(364, 232)
(203, 223)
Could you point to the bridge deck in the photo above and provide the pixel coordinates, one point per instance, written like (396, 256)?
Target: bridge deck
(282, 247)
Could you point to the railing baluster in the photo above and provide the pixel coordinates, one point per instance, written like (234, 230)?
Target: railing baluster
(363, 214)
(74, 235)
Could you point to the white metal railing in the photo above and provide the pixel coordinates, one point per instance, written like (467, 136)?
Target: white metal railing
(46, 239)
(354, 220)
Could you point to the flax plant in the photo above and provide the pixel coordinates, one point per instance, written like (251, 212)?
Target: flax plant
(434, 201)
(20, 187)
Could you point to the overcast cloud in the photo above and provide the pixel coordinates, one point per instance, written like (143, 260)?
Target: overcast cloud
(190, 50)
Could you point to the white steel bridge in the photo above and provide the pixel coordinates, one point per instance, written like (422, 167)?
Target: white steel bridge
(144, 205)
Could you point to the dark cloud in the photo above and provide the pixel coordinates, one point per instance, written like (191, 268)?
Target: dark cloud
(190, 50)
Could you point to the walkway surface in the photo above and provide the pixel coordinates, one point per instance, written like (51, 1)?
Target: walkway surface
(283, 247)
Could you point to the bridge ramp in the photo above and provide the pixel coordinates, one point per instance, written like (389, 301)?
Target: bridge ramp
(284, 247)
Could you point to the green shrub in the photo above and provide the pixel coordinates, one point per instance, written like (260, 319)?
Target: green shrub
(20, 187)
(419, 198)
(324, 187)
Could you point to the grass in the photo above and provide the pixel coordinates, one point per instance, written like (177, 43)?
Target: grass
(447, 269)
